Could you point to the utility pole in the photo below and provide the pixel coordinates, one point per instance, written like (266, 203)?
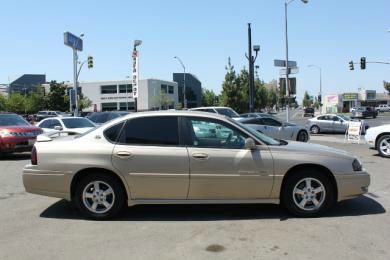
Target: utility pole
(251, 61)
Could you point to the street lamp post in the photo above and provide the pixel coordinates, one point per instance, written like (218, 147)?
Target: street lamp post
(320, 70)
(75, 77)
(287, 68)
(184, 81)
(251, 61)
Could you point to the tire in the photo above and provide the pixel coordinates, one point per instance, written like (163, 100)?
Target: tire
(109, 203)
(315, 129)
(383, 146)
(315, 203)
(302, 136)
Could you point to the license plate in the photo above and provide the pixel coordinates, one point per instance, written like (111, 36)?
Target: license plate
(31, 142)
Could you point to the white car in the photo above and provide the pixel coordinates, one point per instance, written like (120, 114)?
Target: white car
(76, 125)
(382, 108)
(226, 111)
(379, 138)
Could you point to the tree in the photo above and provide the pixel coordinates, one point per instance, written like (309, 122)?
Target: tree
(386, 85)
(231, 94)
(164, 101)
(306, 102)
(16, 103)
(3, 103)
(261, 95)
(36, 100)
(56, 99)
(208, 97)
(84, 102)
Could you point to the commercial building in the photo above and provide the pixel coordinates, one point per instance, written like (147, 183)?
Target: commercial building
(3, 89)
(153, 94)
(345, 101)
(26, 83)
(193, 89)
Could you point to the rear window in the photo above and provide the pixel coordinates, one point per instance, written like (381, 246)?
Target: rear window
(77, 123)
(151, 131)
(227, 112)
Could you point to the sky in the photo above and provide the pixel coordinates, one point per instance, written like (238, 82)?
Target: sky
(203, 34)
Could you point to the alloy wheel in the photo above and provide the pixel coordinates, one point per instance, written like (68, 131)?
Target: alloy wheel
(98, 197)
(309, 194)
(384, 145)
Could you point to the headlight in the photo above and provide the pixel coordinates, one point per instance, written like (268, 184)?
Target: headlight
(356, 165)
(5, 133)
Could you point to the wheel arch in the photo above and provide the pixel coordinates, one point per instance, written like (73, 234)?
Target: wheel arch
(302, 130)
(320, 168)
(378, 137)
(84, 172)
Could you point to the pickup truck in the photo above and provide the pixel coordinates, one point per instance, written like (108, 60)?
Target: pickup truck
(383, 108)
(364, 112)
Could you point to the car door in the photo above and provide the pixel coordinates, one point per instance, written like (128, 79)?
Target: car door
(273, 128)
(255, 123)
(220, 166)
(339, 125)
(325, 123)
(149, 156)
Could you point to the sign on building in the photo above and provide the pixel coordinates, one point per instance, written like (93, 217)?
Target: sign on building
(354, 131)
(135, 73)
(350, 96)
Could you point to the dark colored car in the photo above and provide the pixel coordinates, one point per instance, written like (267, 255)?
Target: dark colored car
(309, 111)
(363, 112)
(16, 134)
(102, 117)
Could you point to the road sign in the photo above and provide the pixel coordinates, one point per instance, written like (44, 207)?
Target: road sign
(282, 63)
(292, 84)
(293, 70)
(72, 97)
(73, 41)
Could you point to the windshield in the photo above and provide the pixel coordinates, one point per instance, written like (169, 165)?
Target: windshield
(12, 120)
(346, 118)
(265, 139)
(227, 112)
(77, 123)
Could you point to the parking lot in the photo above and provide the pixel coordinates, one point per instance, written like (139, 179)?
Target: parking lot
(37, 227)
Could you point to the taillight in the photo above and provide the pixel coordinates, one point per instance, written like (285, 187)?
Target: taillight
(34, 157)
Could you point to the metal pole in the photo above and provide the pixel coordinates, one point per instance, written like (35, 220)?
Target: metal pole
(75, 80)
(321, 91)
(287, 72)
(250, 58)
(184, 87)
(127, 101)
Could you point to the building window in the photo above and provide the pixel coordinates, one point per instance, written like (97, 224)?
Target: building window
(109, 89)
(122, 88)
(164, 89)
(170, 89)
(123, 107)
(109, 106)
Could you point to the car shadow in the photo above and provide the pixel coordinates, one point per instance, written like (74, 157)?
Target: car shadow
(15, 156)
(360, 206)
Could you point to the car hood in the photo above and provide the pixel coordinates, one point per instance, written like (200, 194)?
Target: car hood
(382, 128)
(310, 148)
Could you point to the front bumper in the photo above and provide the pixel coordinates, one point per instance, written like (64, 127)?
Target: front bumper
(352, 185)
(47, 183)
(370, 139)
(16, 144)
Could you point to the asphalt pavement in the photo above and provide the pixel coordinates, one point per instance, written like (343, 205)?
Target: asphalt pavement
(38, 227)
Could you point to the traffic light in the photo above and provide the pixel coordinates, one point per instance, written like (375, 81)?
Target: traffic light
(90, 62)
(363, 63)
(351, 65)
(319, 98)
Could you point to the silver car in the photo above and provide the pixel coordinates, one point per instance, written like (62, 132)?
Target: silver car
(160, 158)
(331, 123)
(277, 129)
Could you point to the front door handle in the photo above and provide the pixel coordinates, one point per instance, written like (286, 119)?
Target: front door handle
(200, 156)
(123, 154)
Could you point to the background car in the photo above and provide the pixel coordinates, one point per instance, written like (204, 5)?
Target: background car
(226, 111)
(102, 117)
(364, 112)
(46, 114)
(331, 123)
(309, 111)
(277, 129)
(258, 114)
(16, 134)
(383, 108)
(161, 158)
(379, 138)
(77, 125)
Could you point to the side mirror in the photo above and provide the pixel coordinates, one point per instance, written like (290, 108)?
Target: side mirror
(250, 144)
(58, 128)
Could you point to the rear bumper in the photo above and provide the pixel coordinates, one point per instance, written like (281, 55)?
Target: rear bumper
(352, 185)
(47, 183)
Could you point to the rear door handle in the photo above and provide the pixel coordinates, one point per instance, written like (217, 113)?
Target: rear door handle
(200, 156)
(123, 154)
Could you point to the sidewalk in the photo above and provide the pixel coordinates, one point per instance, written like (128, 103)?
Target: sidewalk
(335, 138)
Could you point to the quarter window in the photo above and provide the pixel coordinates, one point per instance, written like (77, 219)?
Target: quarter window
(113, 132)
(151, 131)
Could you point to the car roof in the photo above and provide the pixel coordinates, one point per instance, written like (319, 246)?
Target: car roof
(194, 108)
(63, 117)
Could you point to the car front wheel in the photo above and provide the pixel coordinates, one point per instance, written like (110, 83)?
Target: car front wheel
(308, 194)
(315, 129)
(100, 196)
(384, 146)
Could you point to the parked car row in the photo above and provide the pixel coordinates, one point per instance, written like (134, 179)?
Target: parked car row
(331, 123)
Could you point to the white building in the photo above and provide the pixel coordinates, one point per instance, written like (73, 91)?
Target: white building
(154, 94)
(3, 90)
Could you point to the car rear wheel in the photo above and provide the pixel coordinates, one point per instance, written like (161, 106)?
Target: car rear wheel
(100, 196)
(315, 129)
(308, 194)
(384, 146)
(302, 136)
